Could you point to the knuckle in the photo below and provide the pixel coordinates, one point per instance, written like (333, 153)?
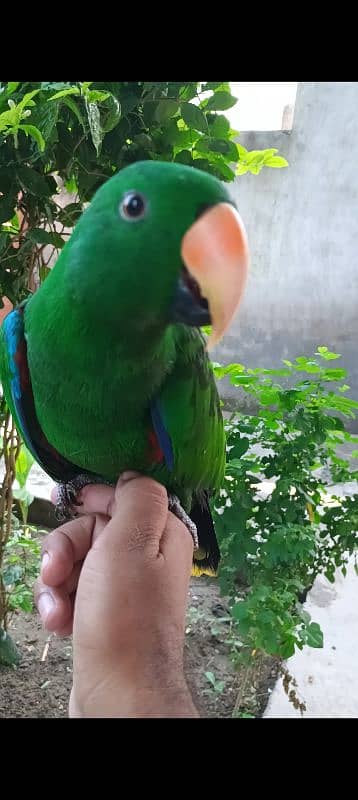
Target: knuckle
(140, 537)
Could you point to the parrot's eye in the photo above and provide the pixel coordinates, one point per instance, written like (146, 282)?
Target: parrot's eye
(133, 207)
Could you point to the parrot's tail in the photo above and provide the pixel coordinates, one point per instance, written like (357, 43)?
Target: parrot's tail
(206, 559)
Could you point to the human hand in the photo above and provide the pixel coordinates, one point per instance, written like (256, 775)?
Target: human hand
(118, 576)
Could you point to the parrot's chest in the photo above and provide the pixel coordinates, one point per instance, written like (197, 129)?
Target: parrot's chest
(98, 421)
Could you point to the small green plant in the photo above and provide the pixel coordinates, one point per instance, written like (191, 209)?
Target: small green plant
(21, 567)
(20, 558)
(23, 548)
(279, 522)
(216, 687)
(243, 715)
(23, 465)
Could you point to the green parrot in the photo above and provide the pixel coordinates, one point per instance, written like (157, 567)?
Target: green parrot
(105, 369)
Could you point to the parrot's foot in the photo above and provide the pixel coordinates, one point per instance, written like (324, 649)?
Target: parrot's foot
(67, 495)
(179, 512)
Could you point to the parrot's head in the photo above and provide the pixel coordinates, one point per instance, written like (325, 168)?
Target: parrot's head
(160, 243)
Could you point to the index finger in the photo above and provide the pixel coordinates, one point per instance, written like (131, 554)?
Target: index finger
(95, 498)
(67, 545)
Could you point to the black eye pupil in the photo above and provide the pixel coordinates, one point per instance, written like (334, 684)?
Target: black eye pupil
(134, 205)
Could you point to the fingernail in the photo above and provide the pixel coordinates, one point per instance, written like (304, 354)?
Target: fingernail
(45, 560)
(129, 474)
(45, 605)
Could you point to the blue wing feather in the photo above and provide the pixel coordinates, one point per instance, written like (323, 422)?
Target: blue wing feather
(162, 433)
(13, 327)
(22, 401)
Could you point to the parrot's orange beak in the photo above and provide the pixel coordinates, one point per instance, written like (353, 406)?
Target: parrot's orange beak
(215, 253)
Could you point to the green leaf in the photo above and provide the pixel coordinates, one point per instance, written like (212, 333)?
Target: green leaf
(256, 157)
(95, 96)
(243, 153)
(27, 99)
(40, 236)
(314, 635)
(110, 113)
(144, 141)
(165, 109)
(220, 127)
(218, 167)
(209, 144)
(23, 465)
(23, 496)
(326, 354)
(44, 272)
(7, 205)
(188, 91)
(194, 117)
(94, 119)
(243, 715)
(12, 574)
(276, 161)
(45, 117)
(269, 152)
(71, 186)
(240, 447)
(288, 648)
(241, 169)
(11, 87)
(33, 181)
(334, 374)
(268, 396)
(70, 214)
(220, 101)
(210, 677)
(54, 86)
(85, 86)
(255, 168)
(243, 380)
(31, 130)
(212, 85)
(206, 330)
(72, 105)
(180, 138)
(65, 93)
(240, 611)
(184, 157)
(9, 654)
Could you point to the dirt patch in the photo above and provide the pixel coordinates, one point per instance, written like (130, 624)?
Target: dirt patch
(40, 685)
(36, 688)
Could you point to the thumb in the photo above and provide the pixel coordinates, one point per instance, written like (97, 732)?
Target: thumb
(139, 517)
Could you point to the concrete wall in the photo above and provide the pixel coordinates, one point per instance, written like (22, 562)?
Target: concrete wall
(302, 224)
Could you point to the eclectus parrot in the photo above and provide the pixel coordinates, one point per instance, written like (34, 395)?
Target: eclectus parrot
(105, 368)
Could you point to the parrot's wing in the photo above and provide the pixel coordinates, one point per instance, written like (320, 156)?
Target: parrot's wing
(17, 388)
(187, 418)
(189, 428)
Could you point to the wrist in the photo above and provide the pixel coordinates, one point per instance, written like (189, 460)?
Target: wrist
(116, 700)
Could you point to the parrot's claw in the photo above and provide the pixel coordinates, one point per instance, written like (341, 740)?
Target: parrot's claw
(67, 496)
(177, 509)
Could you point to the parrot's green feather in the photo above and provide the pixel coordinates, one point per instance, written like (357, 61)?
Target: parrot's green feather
(191, 386)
